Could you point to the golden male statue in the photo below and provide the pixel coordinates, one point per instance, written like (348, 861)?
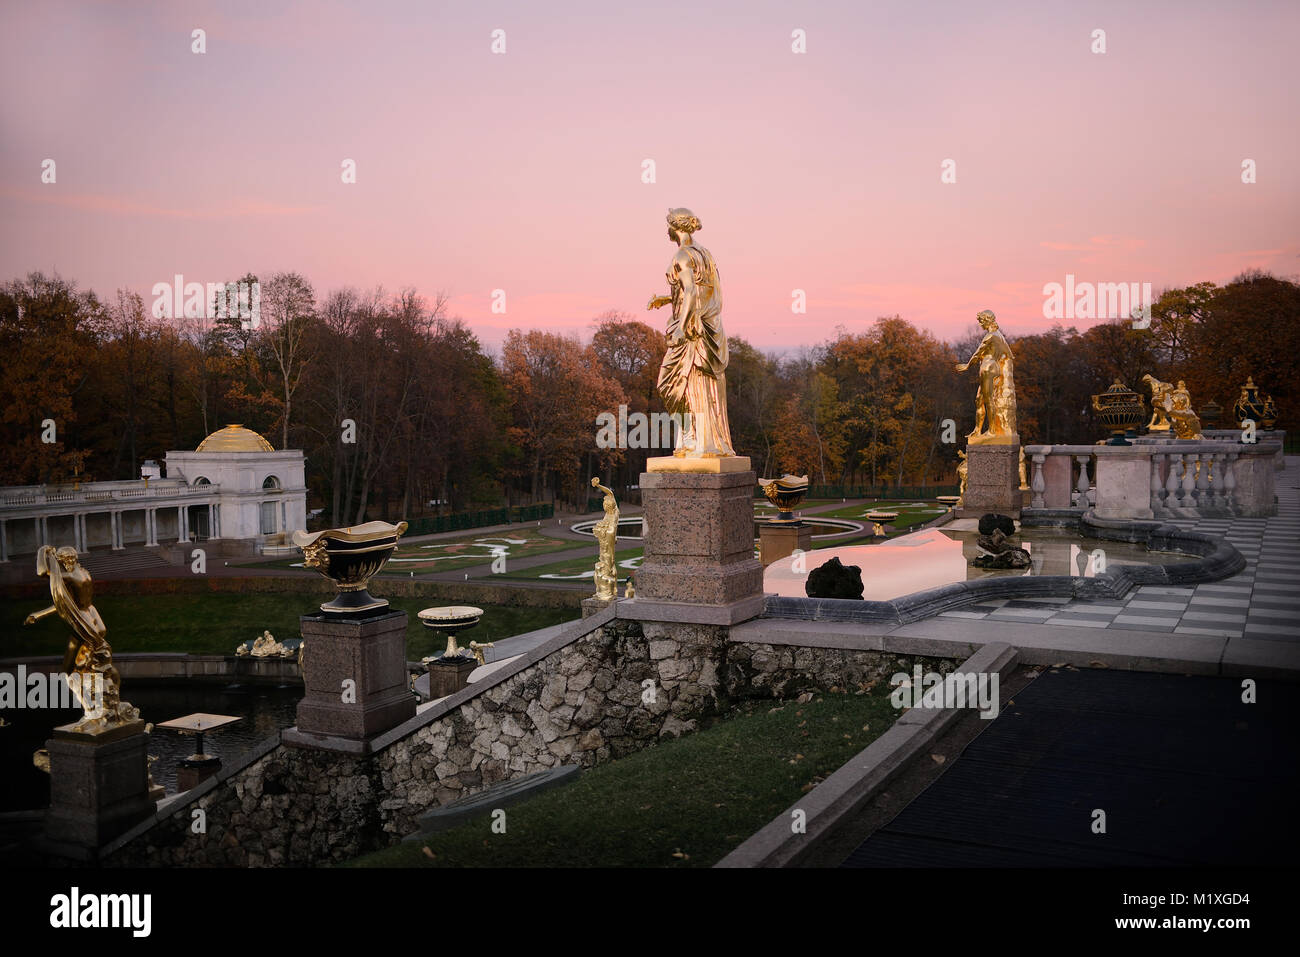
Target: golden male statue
(88, 657)
(606, 532)
(1159, 403)
(692, 379)
(995, 402)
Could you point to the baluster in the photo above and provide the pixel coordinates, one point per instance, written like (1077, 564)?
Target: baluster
(1038, 484)
(1203, 499)
(1218, 496)
(1081, 487)
(1230, 481)
(1171, 480)
(1187, 498)
(1157, 486)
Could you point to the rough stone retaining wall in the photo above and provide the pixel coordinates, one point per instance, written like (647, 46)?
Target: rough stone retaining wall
(579, 699)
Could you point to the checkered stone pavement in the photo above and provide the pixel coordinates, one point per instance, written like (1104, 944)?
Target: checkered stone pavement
(1263, 601)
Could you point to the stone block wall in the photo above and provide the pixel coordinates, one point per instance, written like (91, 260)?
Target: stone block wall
(602, 695)
(584, 703)
(757, 670)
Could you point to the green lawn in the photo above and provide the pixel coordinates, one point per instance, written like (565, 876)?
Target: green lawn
(451, 554)
(217, 623)
(681, 803)
(572, 568)
(907, 512)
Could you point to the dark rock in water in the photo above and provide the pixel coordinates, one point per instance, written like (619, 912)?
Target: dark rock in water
(992, 522)
(835, 580)
(1011, 558)
(995, 544)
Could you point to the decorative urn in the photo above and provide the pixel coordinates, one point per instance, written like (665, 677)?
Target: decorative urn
(786, 493)
(1250, 404)
(1211, 413)
(1120, 409)
(350, 557)
(1269, 418)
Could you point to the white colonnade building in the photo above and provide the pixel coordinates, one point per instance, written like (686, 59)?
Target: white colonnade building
(235, 485)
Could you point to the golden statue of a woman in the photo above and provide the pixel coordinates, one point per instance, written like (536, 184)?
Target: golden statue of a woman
(995, 402)
(692, 378)
(88, 660)
(606, 532)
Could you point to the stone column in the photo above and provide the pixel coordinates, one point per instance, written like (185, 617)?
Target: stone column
(4, 541)
(115, 525)
(355, 681)
(151, 526)
(182, 523)
(992, 481)
(699, 564)
(99, 785)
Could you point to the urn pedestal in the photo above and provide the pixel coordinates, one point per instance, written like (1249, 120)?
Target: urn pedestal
(777, 540)
(355, 681)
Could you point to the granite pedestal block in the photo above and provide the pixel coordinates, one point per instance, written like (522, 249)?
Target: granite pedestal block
(192, 772)
(992, 481)
(99, 784)
(699, 545)
(777, 540)
(448, 678)
(594, 606)
(369, 652)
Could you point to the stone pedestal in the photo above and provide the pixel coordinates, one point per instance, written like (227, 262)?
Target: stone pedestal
(448, 678)
(99, 784)
(594, 606)
(355, 678)
(193, 771)
(992, 481)
(779, 540)
(699, 560)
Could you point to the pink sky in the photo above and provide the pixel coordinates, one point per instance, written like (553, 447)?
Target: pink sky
(522, 171)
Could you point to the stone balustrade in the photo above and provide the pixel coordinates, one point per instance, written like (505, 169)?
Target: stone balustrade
(98, 492)
(1154, 480)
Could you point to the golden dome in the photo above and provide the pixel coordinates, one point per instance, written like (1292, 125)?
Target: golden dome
(235, 438)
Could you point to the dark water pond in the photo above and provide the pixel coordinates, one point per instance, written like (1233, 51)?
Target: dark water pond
(265, 710)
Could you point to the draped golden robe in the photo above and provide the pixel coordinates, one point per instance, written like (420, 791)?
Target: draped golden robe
(692, 378)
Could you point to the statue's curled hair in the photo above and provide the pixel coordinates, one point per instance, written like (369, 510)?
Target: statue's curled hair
(683, 220)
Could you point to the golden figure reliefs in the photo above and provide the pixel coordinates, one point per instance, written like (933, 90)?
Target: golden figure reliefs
(1159, 394)
(692, 378)
(1171, 409)
(995, 402)
(961, 476)
(88, 660)
(1186, 423)
(606, 532)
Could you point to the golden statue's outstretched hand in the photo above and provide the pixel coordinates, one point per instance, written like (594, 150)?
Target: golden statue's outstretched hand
(657, 301)
(963, 366)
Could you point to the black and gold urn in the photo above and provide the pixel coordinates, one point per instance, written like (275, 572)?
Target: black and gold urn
(350, 557)
(1121, 410)
(786, 493)
(1251, 404)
